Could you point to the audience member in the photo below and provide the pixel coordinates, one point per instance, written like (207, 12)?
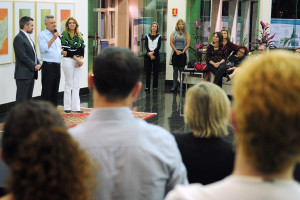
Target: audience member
(261, 49)
(180, 43)
(206, 155)
(45, 162)
(216, 57)
(50, 48)
(266, 118)
(139, 160)
(73, 48)
(297, 50)
(230, 47)
(234, 61)
(152, 45)
(27, 63)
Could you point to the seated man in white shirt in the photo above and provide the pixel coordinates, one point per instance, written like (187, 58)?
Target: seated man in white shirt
(266, 114)
(138, 160)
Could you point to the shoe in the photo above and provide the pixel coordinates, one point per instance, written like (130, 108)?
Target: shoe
(154, 89)
(79, 111)
(67, 111)
(174, 90)
(228, 77)
(146, 89)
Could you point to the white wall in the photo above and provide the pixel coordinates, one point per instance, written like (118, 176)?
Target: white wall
(7, 81)
(181, 6)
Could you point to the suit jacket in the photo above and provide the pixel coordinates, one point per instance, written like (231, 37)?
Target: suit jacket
(25, 58)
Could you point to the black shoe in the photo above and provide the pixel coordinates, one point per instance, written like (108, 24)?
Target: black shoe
(154, 89)
(79, 111)
(67, 111)
(174, 90)
(147, 89)
(228, 77)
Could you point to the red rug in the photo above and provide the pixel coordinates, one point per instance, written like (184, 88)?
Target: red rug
(72, 119)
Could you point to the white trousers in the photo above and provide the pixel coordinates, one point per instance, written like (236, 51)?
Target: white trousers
(72, 84)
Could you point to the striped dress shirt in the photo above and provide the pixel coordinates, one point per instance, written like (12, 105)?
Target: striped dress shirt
(138, 160)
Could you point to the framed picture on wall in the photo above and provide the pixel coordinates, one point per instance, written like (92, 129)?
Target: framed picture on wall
(42, 9)
(6, 32)
(63, 11)
(24, 9)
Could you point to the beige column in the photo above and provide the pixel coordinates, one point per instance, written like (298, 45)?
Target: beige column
(181, 6)
(123, 23)
(214, 15)
(265, 9)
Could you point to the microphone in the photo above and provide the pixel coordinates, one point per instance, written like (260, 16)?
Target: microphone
(55, 32)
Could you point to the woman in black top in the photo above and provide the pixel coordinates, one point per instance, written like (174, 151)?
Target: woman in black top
(207, 156)
(216, 57)
(152, 44)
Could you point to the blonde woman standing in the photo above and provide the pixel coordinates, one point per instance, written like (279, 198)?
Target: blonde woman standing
(180, 42)
(73, 50)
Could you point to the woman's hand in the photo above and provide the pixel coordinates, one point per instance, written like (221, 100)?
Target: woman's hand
(64, 53)
(231, 68)
(152, 57)
(216, 65)
(79, 62)
(150, 53)
(178, 52)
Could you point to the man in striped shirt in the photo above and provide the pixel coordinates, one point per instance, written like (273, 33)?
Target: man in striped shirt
(138, 160)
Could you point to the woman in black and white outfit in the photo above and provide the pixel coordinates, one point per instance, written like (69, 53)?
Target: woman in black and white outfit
(152, 44)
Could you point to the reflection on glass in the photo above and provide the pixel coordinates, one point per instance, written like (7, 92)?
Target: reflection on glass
(112, 24)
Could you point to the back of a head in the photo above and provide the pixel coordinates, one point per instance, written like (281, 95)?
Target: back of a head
(267, 110)
(207, 110)
(24, 119)
(116, 72)
(45, 162)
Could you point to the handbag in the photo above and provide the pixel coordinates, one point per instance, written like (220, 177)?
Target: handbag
(201, 67)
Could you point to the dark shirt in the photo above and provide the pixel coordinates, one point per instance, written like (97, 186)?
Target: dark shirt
(235, 61)
(71, 51)
(207, 159)
(230, 47)
(215, 55)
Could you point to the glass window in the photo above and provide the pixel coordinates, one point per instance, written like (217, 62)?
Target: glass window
(285, 23)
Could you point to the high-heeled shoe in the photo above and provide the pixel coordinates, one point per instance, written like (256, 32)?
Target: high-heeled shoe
(174, 90)
(147, 89)
(154, 89)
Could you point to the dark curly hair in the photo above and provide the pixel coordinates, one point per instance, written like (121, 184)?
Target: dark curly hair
(45, 162)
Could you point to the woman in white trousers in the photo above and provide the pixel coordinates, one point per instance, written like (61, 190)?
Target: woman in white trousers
(73, 50)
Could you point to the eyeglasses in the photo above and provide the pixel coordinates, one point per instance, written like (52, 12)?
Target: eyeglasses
(242, 51)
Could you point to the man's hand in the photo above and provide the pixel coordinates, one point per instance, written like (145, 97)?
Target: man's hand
(56, 35)
(64, 53)
(37, 67)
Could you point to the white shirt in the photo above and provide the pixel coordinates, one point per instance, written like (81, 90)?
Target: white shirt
(32, 45)
(138, 161)
(239, 188)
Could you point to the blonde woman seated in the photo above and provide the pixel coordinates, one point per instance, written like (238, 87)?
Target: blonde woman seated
(206, 155)
(45, 162)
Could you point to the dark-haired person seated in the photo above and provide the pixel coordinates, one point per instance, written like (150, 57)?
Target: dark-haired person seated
(45, 162)
(206, 155)
(266, 119)
(235, 60)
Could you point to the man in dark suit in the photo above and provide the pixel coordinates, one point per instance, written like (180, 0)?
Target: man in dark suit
(27, 63)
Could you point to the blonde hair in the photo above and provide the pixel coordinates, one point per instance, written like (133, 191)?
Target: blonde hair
(228, 34)
(67, 29)
(267, 110)
(207, 110)
(185, 31)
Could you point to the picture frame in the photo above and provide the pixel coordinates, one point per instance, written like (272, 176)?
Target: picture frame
(63, 11)
(6, 32)
(42, 9)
